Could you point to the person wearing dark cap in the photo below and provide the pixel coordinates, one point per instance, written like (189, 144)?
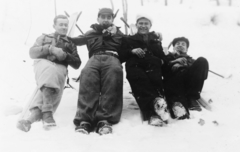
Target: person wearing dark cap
(52, 53)
(144, 59)
(100, 97)
(183, 79)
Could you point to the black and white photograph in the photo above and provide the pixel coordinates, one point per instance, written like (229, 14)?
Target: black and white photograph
(120, 75)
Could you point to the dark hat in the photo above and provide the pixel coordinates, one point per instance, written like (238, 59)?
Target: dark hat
(180, 39)
(106, 11)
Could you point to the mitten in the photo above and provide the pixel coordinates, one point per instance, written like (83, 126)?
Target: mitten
(58, 52)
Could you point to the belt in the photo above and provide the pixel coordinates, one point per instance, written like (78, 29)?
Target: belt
(107, 53)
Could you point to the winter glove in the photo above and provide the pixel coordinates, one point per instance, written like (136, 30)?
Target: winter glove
(45, 47)
(58, 53)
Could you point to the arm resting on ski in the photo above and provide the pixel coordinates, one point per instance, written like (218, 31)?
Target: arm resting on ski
(83, 39)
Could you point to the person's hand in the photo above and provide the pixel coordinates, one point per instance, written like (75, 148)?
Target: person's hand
(181, 60)
(176, 66)
(51, 57)
(139, 52)
(112, 29)
(159, 35)
(58, 52)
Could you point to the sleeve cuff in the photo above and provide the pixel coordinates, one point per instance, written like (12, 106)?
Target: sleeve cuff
(46, 50)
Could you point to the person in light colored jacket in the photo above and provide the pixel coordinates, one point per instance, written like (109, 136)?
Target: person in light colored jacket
(52, 53)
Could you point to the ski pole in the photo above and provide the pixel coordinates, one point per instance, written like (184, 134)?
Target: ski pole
(125, 22)
(77, 20)
(216, 74)
(115, 14)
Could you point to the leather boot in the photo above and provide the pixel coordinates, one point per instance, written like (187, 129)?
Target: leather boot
(48, 120)
(25, 125)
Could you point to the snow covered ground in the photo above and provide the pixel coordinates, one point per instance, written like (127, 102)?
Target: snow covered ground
(214, 32)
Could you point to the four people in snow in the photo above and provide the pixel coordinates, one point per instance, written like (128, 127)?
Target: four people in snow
(162, 85)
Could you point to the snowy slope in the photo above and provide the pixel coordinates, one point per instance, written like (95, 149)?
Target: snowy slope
(213, 33)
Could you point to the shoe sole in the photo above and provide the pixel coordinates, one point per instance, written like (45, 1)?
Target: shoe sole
(195, 109)
(157, 122)
(23, 127)
(83, 131)
(49, 126)
(105, 130)
(176, 112)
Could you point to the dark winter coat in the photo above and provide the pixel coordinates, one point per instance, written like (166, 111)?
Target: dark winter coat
(167, 68)
(97, 41)
(149, 43)
(40, 50)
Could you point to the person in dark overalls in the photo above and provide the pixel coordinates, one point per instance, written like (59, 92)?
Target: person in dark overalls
(100, 98)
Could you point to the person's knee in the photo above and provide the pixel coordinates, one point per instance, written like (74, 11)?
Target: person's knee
(87, 74)
(202, 62)
(48, 90)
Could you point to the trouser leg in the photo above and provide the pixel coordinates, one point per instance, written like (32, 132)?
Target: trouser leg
(142, 88)
(111, 100)
(152, 66)
(89, 92)
(195, 77)
(51, 76)
(48, 97)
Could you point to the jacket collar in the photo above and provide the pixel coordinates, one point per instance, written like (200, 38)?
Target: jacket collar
(61, 36)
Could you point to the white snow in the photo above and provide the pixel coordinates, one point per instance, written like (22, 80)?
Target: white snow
(214, 33)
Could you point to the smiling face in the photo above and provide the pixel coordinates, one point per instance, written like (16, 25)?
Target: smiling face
(105, 19)
(61, 26)
(143, 25)
(180, 47)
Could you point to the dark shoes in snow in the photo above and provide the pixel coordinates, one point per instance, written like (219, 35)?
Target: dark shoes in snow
(84, 128)
(104, 128)
(48, 121)
(24, 125)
